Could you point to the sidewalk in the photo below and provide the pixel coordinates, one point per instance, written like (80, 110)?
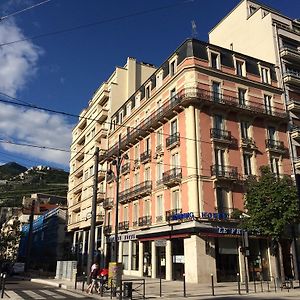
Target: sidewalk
(175, 290)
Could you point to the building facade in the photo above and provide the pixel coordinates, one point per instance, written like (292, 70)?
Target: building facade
(193, 132)
(258, 30)
(91, 132)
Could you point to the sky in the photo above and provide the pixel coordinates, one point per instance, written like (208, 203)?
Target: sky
(61, 71)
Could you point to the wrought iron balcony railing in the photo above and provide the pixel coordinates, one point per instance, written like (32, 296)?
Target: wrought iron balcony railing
(226, 172)
(123, 225)
(137, 191)
(173, 140)
(145, 221)
(107, 229)
(172, 177)
(220, 134)
(108, 203)
(275, 145)
(125, 168)
(145, 156)
(248, 142)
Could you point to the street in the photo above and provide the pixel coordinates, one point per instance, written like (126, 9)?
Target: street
(19, 290)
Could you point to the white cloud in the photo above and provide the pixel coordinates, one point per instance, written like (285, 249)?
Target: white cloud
(18, 64)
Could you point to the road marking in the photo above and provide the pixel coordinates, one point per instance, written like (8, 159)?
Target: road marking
(33, 294)
(70, 293)
(13, 295)
(54, 295)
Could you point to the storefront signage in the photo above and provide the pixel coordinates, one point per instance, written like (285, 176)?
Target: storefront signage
(215, 215)
(178, 259)
(225, 230)
(160, 243)
(123, 237)
(182, 216)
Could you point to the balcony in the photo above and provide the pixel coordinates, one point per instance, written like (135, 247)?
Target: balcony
(290, 53)
(184, 98)
(102, 133)
(275, 146)
(292, 77)
(103, 114)
(173, 140)
(159, 151)
(294, 106)
(224, 172)
(145, 221)
(107, 229)
(79, 171)
(100, 196)
(125, 169)
(172, 177)
(108, 203)
(171, 214)
(135, 192)
(123, 225)
(219, 135)
(102, 155)
(145, 157)
(248, 143)
(295, 134)
(136, 164)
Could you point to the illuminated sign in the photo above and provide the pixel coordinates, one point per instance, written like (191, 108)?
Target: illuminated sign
(215, 215)
(181, 216)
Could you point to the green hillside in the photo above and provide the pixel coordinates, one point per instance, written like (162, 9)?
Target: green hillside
(11, 169)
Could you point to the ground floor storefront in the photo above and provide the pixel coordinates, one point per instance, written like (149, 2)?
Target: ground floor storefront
(194, 250)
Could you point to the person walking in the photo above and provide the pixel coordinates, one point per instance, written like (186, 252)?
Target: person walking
(93, 278)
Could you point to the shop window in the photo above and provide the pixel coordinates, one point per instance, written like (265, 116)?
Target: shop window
(135, 255)
(125, 255)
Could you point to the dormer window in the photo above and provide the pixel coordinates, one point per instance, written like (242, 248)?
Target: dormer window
(215, 60)
(121, 115)
(265, 75)
(128, 108)
(137, 100)
(240, 67)
(148, 91)
(173, 67)
(159, 79)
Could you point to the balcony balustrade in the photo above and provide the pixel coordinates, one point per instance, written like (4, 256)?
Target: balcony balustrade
(275, 146)
(172, 177)
(197, 97)
(296, 133)
(107, 229)
(108, 203)
(290, 53)
(224, 172)
(294, 106)
(248, 143)
(221, 135)
(292, 77)
(137, 191)
(125, 169)
(173, 140)
(123, 225)
(159, 150)
(170, 214)
(145, 157)
(145, 221)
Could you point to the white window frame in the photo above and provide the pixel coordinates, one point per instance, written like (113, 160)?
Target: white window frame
(265, 74)
(173, 66)
(238, 61)
(218, 59)
(159, 79)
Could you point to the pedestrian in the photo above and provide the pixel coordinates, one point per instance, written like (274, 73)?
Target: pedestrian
(93, 278)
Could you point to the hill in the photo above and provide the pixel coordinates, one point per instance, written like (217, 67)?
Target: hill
(10, 169)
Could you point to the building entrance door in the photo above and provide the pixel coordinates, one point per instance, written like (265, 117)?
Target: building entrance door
(147, 270)
(178, 259)
(161, 262)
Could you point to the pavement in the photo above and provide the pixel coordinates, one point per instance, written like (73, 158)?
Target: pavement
(18, 288)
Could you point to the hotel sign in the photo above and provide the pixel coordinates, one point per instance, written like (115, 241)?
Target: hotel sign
(181, 216)
(214, 216)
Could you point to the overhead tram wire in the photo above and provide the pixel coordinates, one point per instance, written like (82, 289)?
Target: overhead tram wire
(78, 27)
(23, 10)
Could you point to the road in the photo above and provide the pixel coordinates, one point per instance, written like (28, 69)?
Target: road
(19, 290)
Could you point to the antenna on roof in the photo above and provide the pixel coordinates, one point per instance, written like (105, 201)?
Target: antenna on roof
(194, 29)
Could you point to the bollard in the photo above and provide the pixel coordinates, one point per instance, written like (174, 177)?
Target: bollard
(160, 287)
(261, 286)
(212, 285)
(144, 289)
(3, 285)
(76, 278)
(239, 283)
(254, 283)
(268, 285)
(83, 281)
(111, 291)
(275, 287)
(184, 286)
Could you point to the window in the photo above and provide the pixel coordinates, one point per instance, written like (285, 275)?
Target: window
(136, 152)
(242, 96)
(136, 178)
(113, 124)
(219, 160)
(172, 67)
(275, 166)
(147, 174)
(159, 105)
(137, 100)
(134, 255)
(125, 255)
(159, 79)
(159, 138)
(91, 171)
(147, 209)
(147, 145)
(135, 212)
(221, 200)
(216, 89)
(126, 183)
(175, 160)
(173, 95)
(176, 200)
(271, 133)
(128, 108)
(159, 170)
(240, 68)
(267, 104)
(215, 60)
(125, 213)
(265, 75)
(86, 174)
(173, 127)
(244, 130)
(247, 164)
(121, 114)
(159, 206)
(93, 132)
(148, 92)
(218, 122)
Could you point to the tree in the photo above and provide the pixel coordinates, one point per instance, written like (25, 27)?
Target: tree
(272, 204)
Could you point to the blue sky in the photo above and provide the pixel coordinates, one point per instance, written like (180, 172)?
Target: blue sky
(62, 71)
